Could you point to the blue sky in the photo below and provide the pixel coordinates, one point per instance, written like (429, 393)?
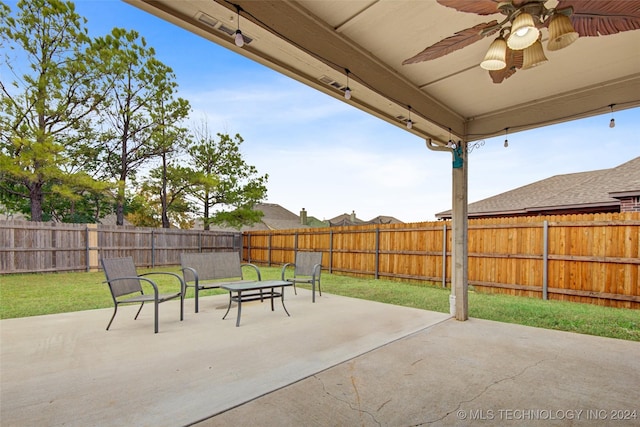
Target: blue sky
(327, 157)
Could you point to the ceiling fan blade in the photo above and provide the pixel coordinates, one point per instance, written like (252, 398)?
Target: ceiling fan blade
(592, 18)
(515, 60)
(480, 7)
(461, 39)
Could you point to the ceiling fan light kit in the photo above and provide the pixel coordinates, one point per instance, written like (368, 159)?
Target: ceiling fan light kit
(518, 45)
(561, 32)
(495, 59)
(523, 32)
(534, 56)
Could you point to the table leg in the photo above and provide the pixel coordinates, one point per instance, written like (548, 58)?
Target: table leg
(228, 308)
(239, 308)
(272, 290)
(282, 299)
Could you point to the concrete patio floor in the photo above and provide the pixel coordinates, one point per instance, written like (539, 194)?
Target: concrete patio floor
(338, 362)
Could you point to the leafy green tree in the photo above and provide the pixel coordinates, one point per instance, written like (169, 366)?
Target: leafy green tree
(166, 189)
(141, 122)
(222, 180)
(142, 210)
(46, 111)
(170, 138)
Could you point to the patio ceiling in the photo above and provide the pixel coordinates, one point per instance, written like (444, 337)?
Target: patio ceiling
(316, 41)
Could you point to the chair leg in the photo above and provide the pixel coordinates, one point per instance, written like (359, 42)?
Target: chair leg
(155, 317)
(115, 310)
(139, 310)
(294, 288)
(196, 298)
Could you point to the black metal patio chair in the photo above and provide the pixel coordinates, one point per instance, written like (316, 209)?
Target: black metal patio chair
(125, 285)
(307, 269)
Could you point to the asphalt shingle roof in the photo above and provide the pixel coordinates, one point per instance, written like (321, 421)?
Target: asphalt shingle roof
(582, 189)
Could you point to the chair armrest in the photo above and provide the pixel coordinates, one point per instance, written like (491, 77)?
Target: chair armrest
(183, 287)
(317, 270)
(255, 267)
(195, 275)
(155, 287)
(284, 269)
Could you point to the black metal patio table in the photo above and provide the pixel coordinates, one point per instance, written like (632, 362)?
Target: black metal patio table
(254, 291)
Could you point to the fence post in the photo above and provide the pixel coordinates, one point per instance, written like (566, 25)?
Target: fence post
(545, 261)
(248, 246)
(153, 248)
(92, 247)
(444, 255)
(54, 245)
(377, 262)
(269, 250)
(330, 251)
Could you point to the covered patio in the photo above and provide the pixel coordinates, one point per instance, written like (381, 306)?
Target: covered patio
(417, 65)
(340, 361)
(344, 361)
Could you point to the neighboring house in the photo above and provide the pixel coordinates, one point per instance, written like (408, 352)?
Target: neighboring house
(275, 217)
(346, 219)
(5, 215)
(107, 220)
(607, 190)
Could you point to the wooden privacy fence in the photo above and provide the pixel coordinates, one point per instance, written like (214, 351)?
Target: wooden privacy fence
(591, 258)
(32, 247)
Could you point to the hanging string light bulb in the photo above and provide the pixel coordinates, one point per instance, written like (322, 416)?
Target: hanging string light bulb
(450, 143)
(409, 122)
(239, 39)
(347, 91)
(506, 137)
(612, 122)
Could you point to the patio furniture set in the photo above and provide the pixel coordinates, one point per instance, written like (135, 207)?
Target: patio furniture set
(209, 270)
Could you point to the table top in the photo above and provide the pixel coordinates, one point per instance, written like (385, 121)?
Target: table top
(250, 286)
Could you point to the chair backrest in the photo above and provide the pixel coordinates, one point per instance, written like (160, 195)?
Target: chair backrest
(305, 262)
(212, 265)
(116, 268)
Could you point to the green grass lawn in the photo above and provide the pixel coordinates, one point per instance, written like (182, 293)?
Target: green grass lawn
(24, 295)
